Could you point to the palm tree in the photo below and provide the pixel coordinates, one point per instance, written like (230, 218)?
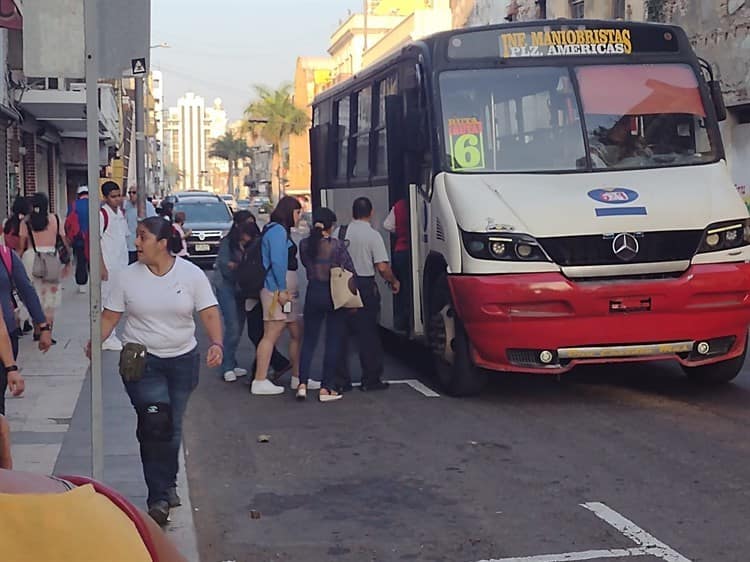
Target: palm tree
(274, 116)
(231, 149)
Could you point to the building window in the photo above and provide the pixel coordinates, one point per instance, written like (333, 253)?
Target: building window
(618, 10)
(360, 139)
(577, 10)
(342, 138)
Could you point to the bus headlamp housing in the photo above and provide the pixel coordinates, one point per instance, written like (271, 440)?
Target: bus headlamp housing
(725, 235)
(503, 246)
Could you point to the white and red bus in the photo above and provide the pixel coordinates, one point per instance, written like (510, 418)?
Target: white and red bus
(568, 195)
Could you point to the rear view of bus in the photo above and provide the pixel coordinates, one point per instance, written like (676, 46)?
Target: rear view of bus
(584, 203)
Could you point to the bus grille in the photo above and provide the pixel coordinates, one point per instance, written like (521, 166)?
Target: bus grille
(597, 249)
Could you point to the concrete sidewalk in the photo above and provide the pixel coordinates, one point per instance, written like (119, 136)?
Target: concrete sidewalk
(51, 422)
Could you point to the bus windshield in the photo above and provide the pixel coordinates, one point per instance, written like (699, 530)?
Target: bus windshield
(529, 119)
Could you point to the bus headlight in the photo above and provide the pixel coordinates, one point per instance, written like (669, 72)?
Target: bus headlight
(725, 235)
(510, 247)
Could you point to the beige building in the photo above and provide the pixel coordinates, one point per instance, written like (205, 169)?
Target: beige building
(492, 11)
(190, 129)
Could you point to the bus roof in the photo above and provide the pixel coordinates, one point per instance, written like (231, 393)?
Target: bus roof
(559, 38)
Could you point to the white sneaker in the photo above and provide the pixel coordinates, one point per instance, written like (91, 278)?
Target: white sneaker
(81, 289)
(311, 384)
(230, 376)
(238, 372)
(112, 343)
(266, 387)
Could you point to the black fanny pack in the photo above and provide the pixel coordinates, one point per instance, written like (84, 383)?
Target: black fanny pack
(132, 362)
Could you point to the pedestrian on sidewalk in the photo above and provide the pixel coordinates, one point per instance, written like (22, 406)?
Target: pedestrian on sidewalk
(10, 376)
(179, 225)
(279, 296)
(131, 214)
(228, 259)
(85, 520)
(41, 236)
(12, 239)
(113, 229)
(319, 253)
(77, 233)
(160, 295)
(367, 249)
(397, 223)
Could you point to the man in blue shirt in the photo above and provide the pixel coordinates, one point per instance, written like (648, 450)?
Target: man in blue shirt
(81, 209)
(131, 214)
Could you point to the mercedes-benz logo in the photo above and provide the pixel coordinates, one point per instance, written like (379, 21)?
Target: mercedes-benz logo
(625, 246)
(202, 237)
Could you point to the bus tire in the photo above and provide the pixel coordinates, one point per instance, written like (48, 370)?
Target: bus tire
(717, 373)
(450, 348)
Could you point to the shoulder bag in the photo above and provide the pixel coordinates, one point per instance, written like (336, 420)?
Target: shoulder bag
(344, 291)
(62, 250)
(46, 266)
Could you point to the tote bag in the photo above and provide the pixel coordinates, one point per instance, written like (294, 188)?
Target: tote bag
(344, 290)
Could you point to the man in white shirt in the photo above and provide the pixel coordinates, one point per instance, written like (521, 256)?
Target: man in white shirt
(113, 230)
(367, 249)
(131, 214)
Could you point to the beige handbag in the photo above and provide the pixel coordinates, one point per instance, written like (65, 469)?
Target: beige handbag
(344, 289)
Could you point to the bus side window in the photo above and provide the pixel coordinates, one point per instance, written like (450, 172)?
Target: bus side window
(342, 125)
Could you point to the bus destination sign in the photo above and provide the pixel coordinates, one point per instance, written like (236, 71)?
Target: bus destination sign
(565, 43)
(563, 40)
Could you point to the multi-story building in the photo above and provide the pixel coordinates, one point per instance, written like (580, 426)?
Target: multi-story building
(487, 12)
(156, 86)
(190, 130)
(216, 122)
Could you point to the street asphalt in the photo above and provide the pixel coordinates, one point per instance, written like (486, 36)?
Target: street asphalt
(400, 475)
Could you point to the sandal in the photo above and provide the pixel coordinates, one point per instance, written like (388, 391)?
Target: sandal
(329, 396)
(301, 392)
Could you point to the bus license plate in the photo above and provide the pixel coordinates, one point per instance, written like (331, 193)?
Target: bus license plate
(202, 247)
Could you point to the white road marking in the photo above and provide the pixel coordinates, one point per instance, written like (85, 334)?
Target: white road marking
(648, 545)
(418, 386)
(584, 555)
(654, 546)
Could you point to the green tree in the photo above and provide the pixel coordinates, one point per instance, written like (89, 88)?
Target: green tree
(274, 116)
(231, 149)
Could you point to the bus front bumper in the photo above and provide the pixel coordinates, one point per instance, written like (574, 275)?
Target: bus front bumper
(547, 323)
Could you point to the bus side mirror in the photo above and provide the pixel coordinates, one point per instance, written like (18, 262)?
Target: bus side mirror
(717, 96)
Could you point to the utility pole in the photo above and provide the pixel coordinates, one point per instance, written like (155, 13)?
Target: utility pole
(140, 146)
(95, 289)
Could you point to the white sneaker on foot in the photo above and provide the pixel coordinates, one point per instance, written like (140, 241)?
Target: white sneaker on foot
(265, 387)
(311, 384)
(229, 376)
(112, 343)
(238, 372)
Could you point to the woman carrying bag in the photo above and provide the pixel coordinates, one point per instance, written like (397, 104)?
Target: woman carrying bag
(160, 362)
(320, 254)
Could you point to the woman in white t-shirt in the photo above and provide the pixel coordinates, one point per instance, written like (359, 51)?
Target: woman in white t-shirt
(160, 294)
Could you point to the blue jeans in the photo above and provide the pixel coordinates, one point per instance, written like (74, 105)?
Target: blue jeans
(319, 309)
(167, 384)
(233, 323)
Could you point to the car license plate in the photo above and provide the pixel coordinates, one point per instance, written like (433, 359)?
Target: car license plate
(202, 247)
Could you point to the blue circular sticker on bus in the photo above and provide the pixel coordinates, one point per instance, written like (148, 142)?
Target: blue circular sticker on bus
(613, 195)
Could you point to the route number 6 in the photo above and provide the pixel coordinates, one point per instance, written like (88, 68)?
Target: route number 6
(468, 152)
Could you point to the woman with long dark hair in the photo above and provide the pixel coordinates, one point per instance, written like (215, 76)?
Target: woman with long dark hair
(279, 294)
(159, 296)
(40, 234)
(319, 253)
(225, 283)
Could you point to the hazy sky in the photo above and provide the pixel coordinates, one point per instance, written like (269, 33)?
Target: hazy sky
(220, 48)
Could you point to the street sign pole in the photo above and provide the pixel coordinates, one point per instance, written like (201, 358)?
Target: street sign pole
(140, 146)
(92, 150)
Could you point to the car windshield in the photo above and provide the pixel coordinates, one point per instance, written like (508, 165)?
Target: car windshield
(528, 119)
(204, 212)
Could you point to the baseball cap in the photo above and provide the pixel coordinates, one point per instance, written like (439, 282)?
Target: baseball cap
(83, 189)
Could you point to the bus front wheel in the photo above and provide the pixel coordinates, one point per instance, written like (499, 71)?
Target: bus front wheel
(450, 346)
(717, 373)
